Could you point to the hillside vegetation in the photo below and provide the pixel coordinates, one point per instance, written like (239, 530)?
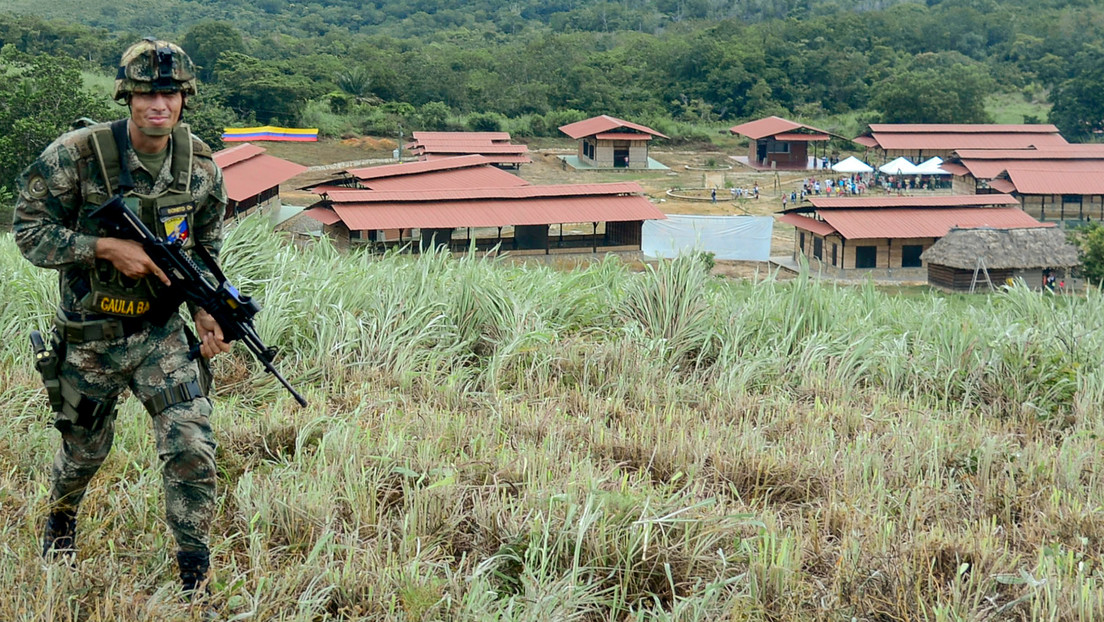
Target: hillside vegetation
(491, 441)
(529, 66)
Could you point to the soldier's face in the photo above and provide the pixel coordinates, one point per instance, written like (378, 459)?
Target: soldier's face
(156, 110)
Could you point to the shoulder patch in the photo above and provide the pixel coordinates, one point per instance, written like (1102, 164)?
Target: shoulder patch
(36, 187)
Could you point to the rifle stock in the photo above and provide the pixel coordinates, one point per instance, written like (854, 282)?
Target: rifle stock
(233, 311)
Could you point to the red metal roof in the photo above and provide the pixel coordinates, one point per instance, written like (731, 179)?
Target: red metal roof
(252, 175)
(807, 223)
(495, 145)
(922, 223)
(1032, 180)
(235, 154)
(807, 138)
(323, 215)
(1002, 185)
(495, 212)
(476, 136)
(472, 148)
(463, 194)
(965, 128)
(472, 177)
(622, 136)
(600, 124)
(937, 201)
(988, 169)
(493, 159)
(1062, 152)
(948, 136)
(417, 168)
(772, 126)
(954, 169)
(865, 141)
(437, 143)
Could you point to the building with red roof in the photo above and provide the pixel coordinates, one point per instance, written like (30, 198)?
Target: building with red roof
(922, 141)
(884, 237)
(252, 177)
(470, 171)
(608, 142)
(495, 146)
(1052, 183)
(777, 143)
(432, 202)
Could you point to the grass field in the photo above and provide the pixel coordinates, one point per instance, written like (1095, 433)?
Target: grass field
(491, 441)
(1015, 108)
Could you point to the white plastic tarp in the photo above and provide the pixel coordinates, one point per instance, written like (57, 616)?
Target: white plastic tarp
(931, 167)
(852, 165)
(899, 166)
(742, 238)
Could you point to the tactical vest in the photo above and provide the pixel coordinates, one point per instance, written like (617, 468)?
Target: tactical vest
(170, 215)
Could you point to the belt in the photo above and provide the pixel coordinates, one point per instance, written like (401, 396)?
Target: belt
(75, 329)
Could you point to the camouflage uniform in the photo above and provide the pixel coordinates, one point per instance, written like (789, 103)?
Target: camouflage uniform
(53, 230)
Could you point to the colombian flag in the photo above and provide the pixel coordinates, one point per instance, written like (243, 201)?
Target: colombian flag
(268, 132)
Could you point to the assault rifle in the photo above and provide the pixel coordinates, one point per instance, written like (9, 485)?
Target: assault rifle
(233, 311)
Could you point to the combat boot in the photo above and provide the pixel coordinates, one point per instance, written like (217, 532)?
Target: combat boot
(59, 537)
(193, 571)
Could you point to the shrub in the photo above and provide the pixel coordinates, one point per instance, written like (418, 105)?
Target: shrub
(485, 122)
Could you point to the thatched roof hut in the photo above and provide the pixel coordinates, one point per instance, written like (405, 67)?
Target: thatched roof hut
(967, 258)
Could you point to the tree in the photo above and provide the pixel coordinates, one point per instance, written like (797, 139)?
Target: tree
(208, 118)
(1079, 101)
(40, 96)
(933, 95)
(433, 116)
(262, 88)
(208, 40)
(1092, 254)
(485, 122)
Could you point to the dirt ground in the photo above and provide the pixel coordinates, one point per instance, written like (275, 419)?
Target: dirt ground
(327, 158)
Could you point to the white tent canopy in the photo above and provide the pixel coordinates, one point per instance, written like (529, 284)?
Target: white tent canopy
(931, 167)
(852, 165)
(901, 166)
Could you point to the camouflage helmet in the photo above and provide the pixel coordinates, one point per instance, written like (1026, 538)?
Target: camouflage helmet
(154, 66)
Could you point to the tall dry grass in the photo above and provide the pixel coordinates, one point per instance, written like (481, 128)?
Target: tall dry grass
(494, 441)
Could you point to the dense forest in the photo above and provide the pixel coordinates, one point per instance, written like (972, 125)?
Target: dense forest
(529, 66)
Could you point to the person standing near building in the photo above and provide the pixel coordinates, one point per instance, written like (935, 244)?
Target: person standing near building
(118, 324)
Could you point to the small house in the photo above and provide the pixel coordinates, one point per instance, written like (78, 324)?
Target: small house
(607, 142)
(777, 143)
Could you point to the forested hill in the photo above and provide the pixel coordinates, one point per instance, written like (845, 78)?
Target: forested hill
(404, 18)
(528, 66)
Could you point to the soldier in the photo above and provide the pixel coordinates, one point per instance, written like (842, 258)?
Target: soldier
(118, 324)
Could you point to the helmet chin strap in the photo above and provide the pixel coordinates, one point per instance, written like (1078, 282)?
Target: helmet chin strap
(156, 131)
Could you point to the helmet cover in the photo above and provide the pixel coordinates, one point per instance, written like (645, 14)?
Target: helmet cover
(154, 66)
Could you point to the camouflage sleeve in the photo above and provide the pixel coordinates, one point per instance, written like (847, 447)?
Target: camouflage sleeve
(46, 212)
(209, 212)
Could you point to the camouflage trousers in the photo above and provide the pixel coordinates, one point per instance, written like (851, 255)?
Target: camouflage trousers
(147, 362)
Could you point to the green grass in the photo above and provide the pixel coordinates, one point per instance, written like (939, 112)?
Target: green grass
(491, 441)
(1016, 108)
(99, 84)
